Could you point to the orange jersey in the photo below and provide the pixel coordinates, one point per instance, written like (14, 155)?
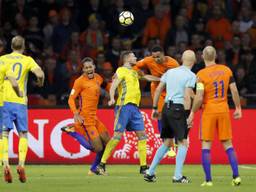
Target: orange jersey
(88, 90)
(216, 80)
(157, 70)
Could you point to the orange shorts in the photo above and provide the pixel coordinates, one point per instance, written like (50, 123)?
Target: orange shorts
(219, 122)
(89, 130)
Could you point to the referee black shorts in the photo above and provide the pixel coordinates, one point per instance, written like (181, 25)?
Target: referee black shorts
(174, 122)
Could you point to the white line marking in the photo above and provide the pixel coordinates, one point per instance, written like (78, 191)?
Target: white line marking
(247, 167)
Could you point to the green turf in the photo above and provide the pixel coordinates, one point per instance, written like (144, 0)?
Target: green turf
(122, 178)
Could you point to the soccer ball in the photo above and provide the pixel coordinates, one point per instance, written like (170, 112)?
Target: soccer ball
(126, 18)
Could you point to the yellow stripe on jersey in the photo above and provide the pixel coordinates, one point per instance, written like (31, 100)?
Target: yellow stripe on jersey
(20, 65)
(129, 88)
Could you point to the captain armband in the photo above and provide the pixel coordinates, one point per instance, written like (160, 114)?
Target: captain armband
(199, 86)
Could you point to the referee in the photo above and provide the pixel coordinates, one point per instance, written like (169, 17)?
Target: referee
(179, 83)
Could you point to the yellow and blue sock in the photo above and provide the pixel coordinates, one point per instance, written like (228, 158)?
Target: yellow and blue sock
(142, 149)
(5, 151)
(109, 148)
(23, 149)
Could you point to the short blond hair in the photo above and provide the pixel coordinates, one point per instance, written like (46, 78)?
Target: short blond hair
(209, 53)
(18, 43)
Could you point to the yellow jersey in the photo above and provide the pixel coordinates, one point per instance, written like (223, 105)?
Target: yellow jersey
(129, 88)
(3, 73)
(20, 65)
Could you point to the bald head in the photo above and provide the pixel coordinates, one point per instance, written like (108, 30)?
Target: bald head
(209, 54)
(188, 58)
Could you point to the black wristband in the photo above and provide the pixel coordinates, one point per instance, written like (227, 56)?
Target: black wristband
(155, 107)
(187, 112)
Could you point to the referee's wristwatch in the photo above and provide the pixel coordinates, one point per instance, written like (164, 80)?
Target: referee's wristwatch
(154, 107)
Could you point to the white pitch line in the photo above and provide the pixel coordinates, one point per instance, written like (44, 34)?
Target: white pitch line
(247, 167)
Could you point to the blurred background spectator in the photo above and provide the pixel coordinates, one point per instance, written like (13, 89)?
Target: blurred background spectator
(60, 33)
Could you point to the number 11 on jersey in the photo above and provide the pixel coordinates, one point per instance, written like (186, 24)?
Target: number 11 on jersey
(218, 84)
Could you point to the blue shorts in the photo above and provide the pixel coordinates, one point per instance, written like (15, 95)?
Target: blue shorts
(17, 114)
(128, 117)
(1, 119)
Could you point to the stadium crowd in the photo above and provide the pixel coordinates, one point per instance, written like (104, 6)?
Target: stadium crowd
(59, 33)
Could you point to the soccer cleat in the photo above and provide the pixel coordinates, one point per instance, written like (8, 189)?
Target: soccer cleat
(149, 178)
(68, 128)
(183, 179)
(93, 172)
(236, 181)
(207, 184)
(7, 174)
(101, 169)
(143, 169)
(21, 172)
(171, 153)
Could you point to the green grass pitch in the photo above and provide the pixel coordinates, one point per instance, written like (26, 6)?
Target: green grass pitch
(124, 178)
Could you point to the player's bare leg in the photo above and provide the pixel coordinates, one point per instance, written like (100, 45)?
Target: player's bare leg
(6, 168)
(105, 138)
(227, 144)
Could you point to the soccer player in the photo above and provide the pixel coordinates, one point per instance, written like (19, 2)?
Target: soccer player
(158, 64)
(127, 113)
(15, 108)
(179, 83)
(89, 131)
(8, 74)
(212, 88)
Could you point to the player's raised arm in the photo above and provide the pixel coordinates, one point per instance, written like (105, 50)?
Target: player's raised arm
(142, 64)
(40, 76)
(150, 78)
(236, 99)
(15, 86)
(114, 85)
